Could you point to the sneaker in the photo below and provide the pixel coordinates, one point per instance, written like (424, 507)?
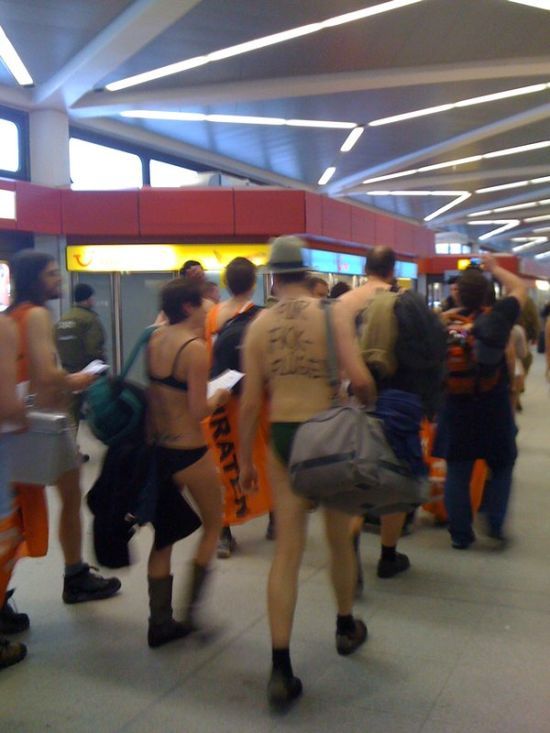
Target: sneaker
(347, 643)
(282, 690)
(389, 568)
(11, 652)
(88, 586)
(12, 622)
(226, 544)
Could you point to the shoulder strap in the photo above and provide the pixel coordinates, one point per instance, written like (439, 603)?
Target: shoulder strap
(178, 352)
(141, 342)
(332, 357)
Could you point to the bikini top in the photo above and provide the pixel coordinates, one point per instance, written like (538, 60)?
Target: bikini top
(171, 380)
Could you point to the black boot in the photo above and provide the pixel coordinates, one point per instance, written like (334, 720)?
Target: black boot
(162, 626)
(197, 580)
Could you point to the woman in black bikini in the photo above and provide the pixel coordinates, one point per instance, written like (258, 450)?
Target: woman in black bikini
(178, 373)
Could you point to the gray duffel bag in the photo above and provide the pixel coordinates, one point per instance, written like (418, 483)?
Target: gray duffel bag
(341, 459)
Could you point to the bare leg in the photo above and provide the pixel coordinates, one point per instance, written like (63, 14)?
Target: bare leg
(202, 481)
(70, 521)
(343, 567)
(391, 526)
(391, 562)
(291, 521)
(159, 562)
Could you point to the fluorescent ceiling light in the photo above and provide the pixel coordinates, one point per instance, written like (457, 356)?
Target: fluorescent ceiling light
(327, 175)
(503, 187)
(458, 198)
(541, 4)
(542, 256)
(258, 43)
(352, 139)
(529, 242)
(13, 62)
(147, 114)
(506, 224)
(329, 124)
(518, 149)
(544, 217)
(517, 92)
(541, 229)
(411, 115)
(450, 163)
(512, 207)
(463, 161)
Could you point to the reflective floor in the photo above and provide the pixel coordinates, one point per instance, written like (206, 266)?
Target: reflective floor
(459, 644)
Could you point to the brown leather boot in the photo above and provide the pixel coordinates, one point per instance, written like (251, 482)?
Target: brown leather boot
(162, 626)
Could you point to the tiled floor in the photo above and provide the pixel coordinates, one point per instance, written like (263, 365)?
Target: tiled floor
(459, 644)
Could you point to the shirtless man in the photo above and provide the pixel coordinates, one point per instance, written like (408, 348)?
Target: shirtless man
(37, 280)
(12, 410)
(380, 272)
(286, 352)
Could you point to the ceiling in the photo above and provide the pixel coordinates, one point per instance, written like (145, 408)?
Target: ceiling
(424, 54)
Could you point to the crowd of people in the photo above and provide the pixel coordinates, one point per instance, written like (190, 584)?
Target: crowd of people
(230, 450)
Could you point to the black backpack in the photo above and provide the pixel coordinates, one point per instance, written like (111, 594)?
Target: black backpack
(226, 353)
(420, 350)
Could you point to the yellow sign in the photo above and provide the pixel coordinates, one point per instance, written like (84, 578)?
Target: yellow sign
(463, 263)
(159, 257)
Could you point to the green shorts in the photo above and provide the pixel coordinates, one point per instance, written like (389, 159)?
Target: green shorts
(282, 437)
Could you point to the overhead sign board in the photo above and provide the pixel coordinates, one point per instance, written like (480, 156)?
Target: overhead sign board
(159, 257)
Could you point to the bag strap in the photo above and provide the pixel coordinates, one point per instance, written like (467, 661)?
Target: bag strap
(141, 342)
(332, 357)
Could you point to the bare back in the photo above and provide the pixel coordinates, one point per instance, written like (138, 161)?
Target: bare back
(174, 352)
(288, 344)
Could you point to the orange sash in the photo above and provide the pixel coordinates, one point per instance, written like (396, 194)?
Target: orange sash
(221, 431)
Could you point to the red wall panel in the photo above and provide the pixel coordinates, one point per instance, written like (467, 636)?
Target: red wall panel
(38, 208)
(314, 214)
(181, 212)
(363, 226)
(384, 231)
(269, 212)
(109, 213)
(336, 219)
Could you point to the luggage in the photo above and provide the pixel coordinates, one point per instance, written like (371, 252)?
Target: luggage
(39, 454)
(115, 408)
(403, 338)
(342, 459)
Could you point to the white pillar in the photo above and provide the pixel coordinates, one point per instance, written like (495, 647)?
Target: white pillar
(49, 158)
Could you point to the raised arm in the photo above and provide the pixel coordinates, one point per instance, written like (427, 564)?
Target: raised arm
(512, 283)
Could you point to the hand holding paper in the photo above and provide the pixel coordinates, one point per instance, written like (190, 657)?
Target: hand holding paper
(227, 380)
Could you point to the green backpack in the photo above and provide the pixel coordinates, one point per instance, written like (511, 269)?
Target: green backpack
(115, 408)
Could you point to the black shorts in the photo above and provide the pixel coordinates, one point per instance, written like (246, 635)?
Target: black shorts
(175, 519)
